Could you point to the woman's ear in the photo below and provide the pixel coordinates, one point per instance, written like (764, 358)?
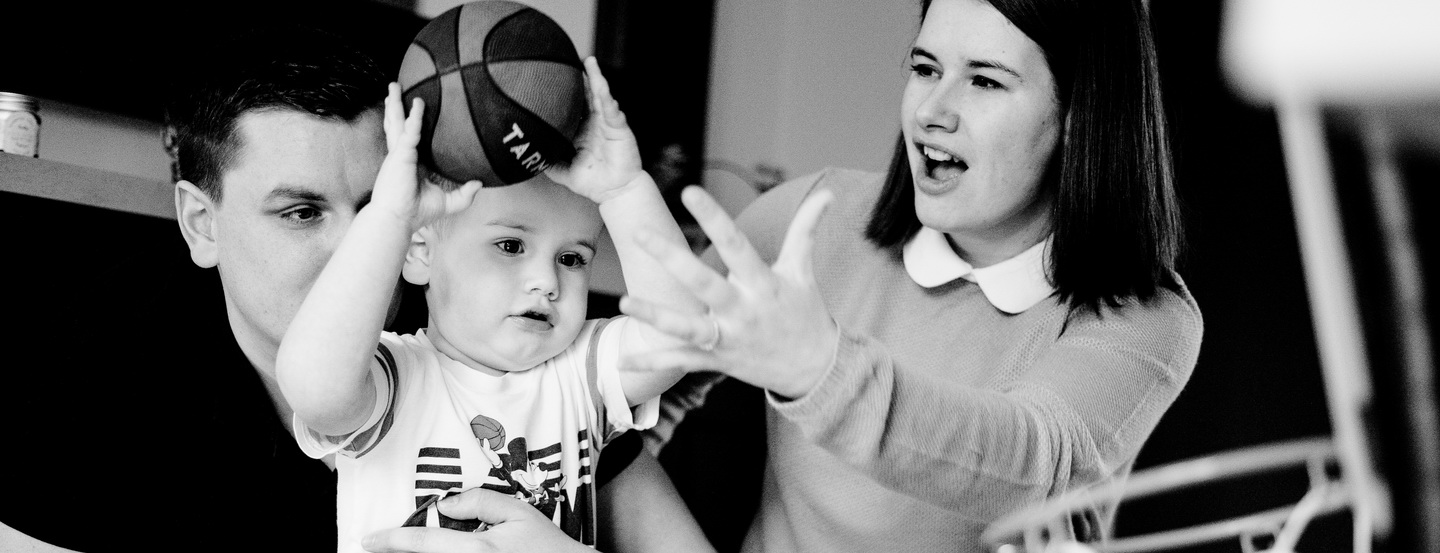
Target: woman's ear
(196, 214)
(417, 257)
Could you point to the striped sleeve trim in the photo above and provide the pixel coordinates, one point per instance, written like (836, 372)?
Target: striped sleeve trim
(372, 436)
(592, 376)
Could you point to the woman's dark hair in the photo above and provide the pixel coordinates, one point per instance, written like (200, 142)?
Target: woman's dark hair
(277, 67)
(1115, 218)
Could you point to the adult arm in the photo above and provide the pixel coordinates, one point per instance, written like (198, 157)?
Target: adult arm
(766, 218)
(1079, 413)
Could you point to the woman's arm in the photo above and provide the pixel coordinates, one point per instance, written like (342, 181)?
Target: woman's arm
(1079, 414)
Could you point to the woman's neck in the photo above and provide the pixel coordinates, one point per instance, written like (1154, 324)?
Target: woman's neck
(982, 252)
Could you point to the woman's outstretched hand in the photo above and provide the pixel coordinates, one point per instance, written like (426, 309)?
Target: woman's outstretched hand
(766, 325)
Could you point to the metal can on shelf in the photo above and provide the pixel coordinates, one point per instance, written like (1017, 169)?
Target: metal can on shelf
(19, 124)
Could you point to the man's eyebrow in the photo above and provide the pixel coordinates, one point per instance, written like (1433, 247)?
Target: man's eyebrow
(295, 193)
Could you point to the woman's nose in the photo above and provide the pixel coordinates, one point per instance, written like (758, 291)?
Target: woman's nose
(939, 109)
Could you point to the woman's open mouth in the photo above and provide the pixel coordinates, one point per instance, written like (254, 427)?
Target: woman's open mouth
(940, 165)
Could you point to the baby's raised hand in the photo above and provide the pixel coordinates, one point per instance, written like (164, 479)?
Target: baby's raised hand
(608, 158)
(397, 186)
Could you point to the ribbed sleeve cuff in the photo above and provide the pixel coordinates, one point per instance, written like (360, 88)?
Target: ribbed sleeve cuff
(837, 388)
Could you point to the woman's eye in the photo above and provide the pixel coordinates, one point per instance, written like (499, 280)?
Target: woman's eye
(510, 247)
(923, 71)
(301, 215)
(573, 260)
(985, 82)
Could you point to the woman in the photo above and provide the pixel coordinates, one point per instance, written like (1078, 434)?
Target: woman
(993, 322)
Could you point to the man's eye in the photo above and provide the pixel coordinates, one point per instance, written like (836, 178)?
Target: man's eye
(510, 247)
(301, 215)
(573, 260)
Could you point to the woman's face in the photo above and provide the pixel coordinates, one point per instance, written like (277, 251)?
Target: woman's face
(981, 121)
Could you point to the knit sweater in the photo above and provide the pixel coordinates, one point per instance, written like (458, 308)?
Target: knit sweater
(941, 413)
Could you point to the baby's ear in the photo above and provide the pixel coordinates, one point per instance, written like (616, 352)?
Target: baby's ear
(417, 257)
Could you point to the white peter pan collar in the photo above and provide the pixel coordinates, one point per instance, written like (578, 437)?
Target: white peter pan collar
(1012, 285)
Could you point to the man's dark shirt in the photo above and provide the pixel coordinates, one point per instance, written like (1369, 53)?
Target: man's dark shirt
(144, 427)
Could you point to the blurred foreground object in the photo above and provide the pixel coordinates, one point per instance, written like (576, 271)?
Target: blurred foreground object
(1368, 73)
(1355, 88)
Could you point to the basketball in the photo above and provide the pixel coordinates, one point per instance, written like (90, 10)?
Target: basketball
(504, 92)
(486, 428)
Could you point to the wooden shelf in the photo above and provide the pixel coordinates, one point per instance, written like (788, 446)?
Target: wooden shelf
(43, 178)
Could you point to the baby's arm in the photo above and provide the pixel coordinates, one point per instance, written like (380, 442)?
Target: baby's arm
(608, 171)
(325, 359)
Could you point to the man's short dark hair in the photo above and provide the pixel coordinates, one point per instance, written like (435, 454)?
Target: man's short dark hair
(286, 67)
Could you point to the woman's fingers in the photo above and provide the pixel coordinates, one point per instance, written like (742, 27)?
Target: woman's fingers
(697, 277)
(735, 250)
(795, 254)
(697, 330)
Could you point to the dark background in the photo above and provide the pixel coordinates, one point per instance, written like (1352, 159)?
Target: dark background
(1258, 380)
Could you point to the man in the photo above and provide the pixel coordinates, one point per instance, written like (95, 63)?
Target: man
(278, 144)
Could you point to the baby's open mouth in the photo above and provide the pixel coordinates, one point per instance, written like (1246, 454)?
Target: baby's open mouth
(536, 315)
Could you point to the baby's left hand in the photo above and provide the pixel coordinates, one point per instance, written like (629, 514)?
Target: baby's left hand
(609, 158)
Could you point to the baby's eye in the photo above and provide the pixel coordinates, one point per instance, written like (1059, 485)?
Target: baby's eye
(510, 247)
(573, 260)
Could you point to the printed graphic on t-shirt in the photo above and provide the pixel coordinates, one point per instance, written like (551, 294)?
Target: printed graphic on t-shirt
(533, 476)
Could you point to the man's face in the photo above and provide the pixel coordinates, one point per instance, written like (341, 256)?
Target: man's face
(294, 187)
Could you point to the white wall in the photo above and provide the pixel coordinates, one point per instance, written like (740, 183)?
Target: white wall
(577, 17)
(99, 140)
(805, 84)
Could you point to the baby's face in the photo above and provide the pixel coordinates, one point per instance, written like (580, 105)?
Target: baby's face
(509, 276)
